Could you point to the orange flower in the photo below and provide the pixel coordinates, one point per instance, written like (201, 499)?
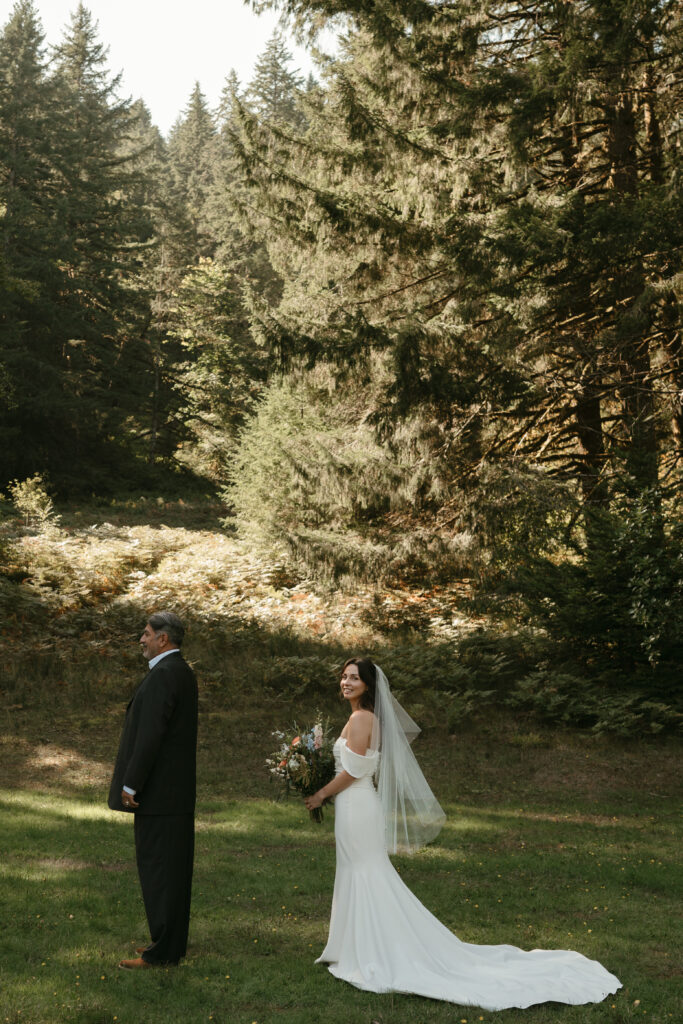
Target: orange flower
(297, 739)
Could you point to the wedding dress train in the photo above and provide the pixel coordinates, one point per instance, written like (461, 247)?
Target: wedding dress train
(383, 939)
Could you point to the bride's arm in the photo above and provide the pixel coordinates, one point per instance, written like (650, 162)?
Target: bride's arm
(357, 740)
(339, 782)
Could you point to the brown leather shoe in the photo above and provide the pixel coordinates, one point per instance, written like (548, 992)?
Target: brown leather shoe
(134, 965)
(141, 949)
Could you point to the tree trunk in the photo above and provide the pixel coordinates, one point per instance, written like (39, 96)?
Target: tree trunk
(155, 410)
(589, 432)
(633, 355)
(653, 136)
(673, 352)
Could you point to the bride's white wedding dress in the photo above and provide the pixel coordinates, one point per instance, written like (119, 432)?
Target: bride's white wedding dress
(382, 938)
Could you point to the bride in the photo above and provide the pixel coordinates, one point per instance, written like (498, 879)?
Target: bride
(381, 937)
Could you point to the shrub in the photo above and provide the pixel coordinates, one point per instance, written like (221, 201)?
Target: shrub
(311, 480)
(616, 613)
(31, 499)
(302, 483)
(516, 513)
(301, 674)
(562, 698)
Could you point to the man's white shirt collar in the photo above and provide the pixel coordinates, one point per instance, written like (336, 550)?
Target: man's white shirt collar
(155, 661)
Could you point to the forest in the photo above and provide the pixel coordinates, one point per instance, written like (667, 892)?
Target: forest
(384, 359)
(413, 322)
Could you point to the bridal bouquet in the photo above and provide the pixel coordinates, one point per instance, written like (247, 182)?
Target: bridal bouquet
(305, 762)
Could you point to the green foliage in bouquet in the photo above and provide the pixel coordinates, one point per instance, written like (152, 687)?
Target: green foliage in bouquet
(304, 762)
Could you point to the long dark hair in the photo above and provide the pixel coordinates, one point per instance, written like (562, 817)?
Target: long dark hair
(368, 673)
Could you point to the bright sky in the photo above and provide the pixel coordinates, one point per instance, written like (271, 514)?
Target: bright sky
(164, 46)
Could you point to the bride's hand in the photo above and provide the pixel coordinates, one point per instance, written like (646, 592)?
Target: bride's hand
(314, 801)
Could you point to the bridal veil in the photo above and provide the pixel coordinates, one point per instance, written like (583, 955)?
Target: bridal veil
(412, 814)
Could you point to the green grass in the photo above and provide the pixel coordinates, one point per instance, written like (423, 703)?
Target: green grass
(572, 846)
(554, 838)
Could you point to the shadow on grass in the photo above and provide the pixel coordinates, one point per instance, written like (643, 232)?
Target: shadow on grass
(262, 892)
(62, 706)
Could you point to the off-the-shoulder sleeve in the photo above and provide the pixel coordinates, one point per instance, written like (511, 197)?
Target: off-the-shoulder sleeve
(358, 765)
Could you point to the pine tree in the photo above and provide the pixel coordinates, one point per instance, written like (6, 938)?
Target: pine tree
(159, 269)
(218, 369)
(28, 236)
(192, 158)
(186, 240)
(73, 244)
(487, 196)
(272, 95)
(101, 308)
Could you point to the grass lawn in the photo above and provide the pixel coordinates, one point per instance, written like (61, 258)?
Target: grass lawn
(554, 838)
(562, 845)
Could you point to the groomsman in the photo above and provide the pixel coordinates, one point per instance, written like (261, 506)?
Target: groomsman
(155, 779)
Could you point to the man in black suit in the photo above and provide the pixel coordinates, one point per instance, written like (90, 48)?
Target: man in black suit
(155, 778)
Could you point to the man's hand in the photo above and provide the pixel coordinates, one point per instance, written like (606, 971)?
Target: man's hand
(128, 800)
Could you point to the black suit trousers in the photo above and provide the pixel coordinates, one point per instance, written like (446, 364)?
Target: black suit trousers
(164, 850)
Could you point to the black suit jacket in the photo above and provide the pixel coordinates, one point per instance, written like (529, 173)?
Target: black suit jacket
(158, 750)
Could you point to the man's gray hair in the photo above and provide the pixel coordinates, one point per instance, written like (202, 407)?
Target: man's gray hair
(169, 623)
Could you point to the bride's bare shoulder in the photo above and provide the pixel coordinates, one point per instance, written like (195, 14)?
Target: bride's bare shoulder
(362, 715)
(360, 722)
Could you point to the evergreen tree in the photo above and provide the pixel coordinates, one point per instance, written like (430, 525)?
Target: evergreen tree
(192, 160)
(222, 204)
(486, 196)
(101, 309)
(483, 216)
(74, 234)
(186, 241)
(240, 245)
(272, 95)
(30, 279)
(220, 368)
(159, 269)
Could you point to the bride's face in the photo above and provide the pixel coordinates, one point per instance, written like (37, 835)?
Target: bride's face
(352, 686)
